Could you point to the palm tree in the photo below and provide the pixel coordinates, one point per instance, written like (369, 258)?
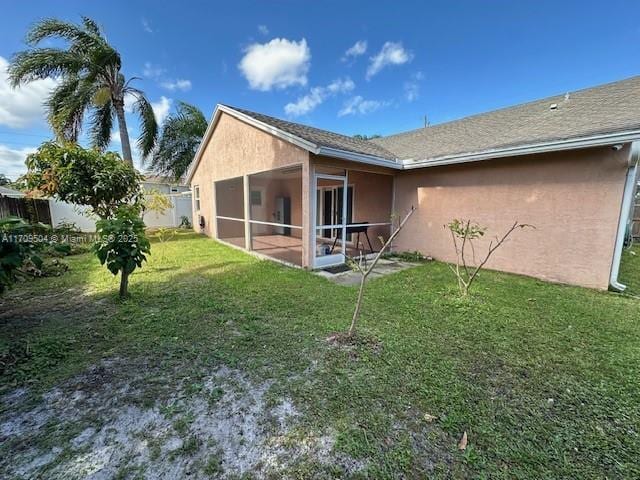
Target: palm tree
(181, 135)
(90, 82)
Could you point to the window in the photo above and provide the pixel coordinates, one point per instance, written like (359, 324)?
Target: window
(196, 197)
(256, 198)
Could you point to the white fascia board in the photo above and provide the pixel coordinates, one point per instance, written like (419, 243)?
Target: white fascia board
(559, 145)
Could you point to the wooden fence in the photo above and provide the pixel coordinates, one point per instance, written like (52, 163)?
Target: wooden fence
(31, 209)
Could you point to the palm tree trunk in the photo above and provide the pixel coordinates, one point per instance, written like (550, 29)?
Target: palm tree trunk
(124, 134)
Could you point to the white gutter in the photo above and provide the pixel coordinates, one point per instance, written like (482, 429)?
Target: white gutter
(625, 214)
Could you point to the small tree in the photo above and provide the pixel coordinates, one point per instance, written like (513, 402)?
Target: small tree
(122, 243)
(463, 234)
(81, 176)
(365, 270)
(157, 202)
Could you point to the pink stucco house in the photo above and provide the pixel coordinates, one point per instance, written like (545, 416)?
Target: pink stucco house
(566, 164)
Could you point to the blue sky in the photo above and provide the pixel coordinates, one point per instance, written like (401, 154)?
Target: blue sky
(289, 59)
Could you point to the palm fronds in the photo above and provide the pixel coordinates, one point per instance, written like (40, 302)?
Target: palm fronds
(90, 81)
(181, 135)
(148, 125)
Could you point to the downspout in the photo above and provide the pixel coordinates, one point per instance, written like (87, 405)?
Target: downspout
(625, 213)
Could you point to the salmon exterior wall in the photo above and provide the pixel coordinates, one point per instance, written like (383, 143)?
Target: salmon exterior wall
(372, 202)
(273, 188)
(235, 149)
(573, 199)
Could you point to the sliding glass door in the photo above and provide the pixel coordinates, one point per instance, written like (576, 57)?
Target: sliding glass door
(330, 217)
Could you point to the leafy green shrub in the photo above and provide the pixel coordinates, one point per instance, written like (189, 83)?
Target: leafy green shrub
(66, 228)
(184, 222)
(122, 243)
(414, 256)
(17, 247)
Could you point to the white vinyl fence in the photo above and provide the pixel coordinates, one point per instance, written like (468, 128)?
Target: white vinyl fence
(172, 217)
(62, 212)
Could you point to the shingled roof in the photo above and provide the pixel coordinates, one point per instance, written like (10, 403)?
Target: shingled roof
(609, 108)
(321, 138)
(593, 116)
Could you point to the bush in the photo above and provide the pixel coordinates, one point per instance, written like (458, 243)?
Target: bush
(17, 247)
(184, 222)
(122, 243)
(407, 256)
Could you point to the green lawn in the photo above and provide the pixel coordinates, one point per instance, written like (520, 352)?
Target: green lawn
(542, 377)
(630, 270)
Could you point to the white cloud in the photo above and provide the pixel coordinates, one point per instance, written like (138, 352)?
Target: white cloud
(23, 106)
(279, 63)
(179, 84)
(412, 87)
(12, 160)
(341, 85)
(263, 29)
(161, 108)
(358, 105)
(115, 137)
(317, 95)
(305, 104)
(146, 25)
(392, 53)
(358, 48)
(152, 71)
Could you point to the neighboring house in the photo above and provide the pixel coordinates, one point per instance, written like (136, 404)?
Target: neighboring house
(165, 185)
(10, 192)
(566, 164)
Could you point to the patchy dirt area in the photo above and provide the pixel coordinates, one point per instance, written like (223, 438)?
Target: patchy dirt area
(159, 423)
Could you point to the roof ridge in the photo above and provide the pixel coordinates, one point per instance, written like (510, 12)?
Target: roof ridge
(503, 109)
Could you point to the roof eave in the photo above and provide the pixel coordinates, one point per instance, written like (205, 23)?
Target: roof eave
(553, 146)
(288, 137)
(359, 157)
